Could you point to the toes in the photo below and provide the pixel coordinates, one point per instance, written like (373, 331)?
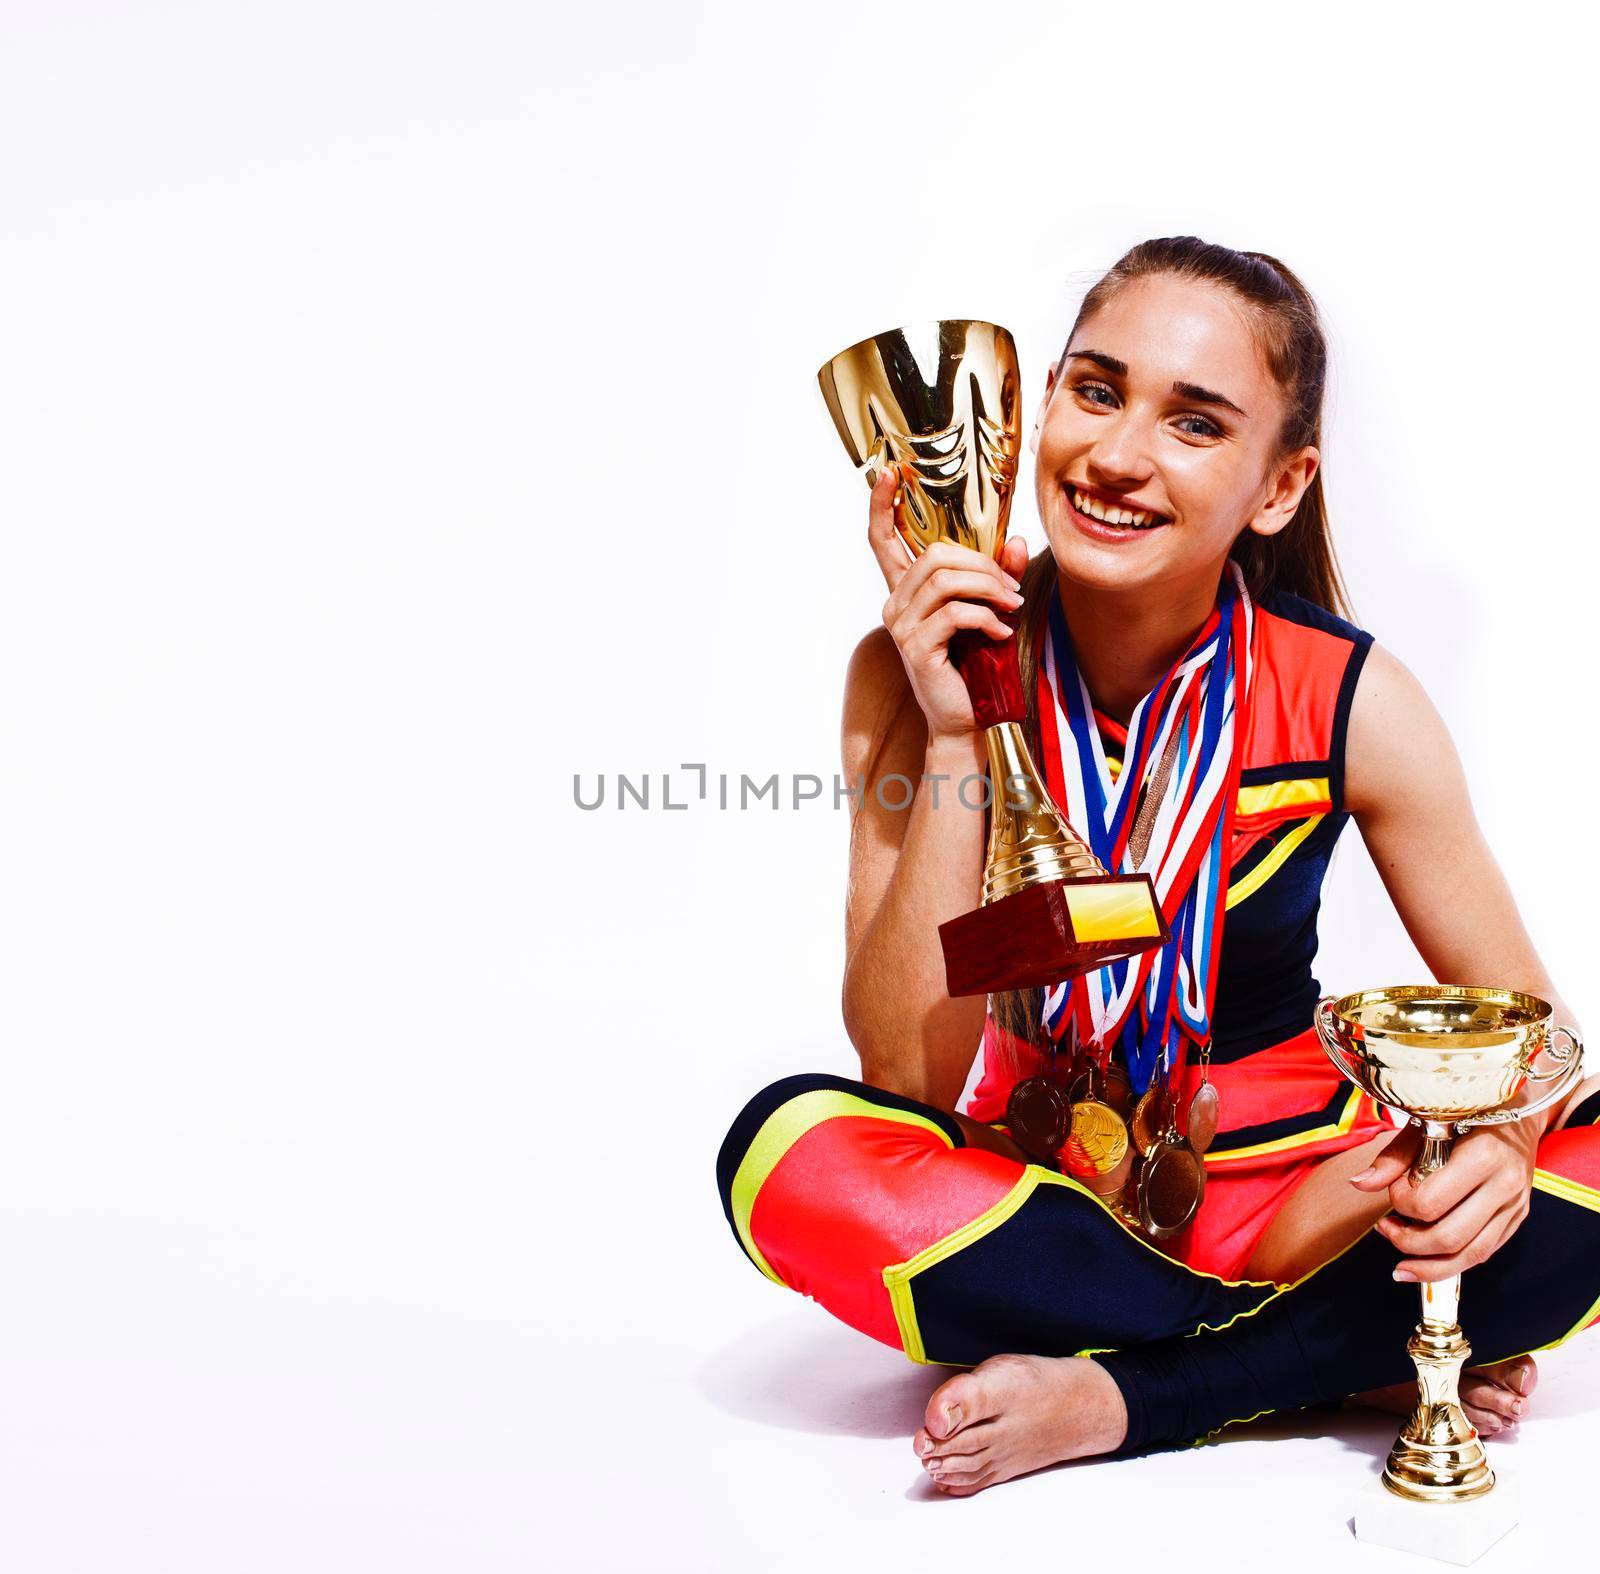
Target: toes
(957, 1454)
(1486, 1421)
(1484, 1395)
(1520, 1374)
(958, 1403)
(963, 1483)
(950, 1407)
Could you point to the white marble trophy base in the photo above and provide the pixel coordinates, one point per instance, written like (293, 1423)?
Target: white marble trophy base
(1457, 1533)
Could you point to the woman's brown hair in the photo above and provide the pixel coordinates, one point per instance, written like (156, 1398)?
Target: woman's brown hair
(1299, 559)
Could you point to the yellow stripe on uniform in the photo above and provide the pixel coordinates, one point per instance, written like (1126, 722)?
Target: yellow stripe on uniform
(1308, 793)
(897, 1277)
(1270, 865)
(1347, 1118)
(782, 1129)
(1585, 1197)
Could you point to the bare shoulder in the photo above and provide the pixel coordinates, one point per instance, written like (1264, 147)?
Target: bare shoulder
(1397, 740)
(880, 711)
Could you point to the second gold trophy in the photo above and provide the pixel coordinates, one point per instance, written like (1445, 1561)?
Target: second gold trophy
(942, 402)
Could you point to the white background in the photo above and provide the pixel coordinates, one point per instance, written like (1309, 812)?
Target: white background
(406, 407)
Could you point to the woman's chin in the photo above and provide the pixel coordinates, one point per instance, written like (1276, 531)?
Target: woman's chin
(1108, 566)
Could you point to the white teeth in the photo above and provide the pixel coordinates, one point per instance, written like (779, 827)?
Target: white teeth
(1136, 519)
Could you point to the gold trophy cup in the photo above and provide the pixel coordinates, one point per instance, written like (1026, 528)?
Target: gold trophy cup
(942, 402)
(1449, 1058)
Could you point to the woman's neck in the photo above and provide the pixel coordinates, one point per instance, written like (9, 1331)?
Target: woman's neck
(1125, 641)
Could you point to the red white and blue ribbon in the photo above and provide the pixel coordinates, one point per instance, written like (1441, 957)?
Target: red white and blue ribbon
(1148, 1004)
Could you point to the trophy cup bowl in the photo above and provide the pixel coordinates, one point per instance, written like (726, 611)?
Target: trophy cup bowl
(1449, 1058)
(941, 401)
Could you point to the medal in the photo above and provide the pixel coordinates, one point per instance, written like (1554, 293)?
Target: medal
(1098, 1151)
(1203, 1107)
(1148, 1120)
(1039, 1118)
(1172, 1180)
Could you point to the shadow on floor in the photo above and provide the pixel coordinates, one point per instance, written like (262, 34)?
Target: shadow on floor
(825, 1379)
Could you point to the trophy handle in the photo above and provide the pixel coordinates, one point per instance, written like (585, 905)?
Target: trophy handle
(1562, 1061)
(1322, 1018)
(1567, 1072)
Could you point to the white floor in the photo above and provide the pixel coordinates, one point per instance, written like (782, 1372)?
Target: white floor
(742, 1428)
(787, 1448)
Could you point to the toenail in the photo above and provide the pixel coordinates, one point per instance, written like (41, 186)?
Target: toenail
(953, 1415)
(927, 1446)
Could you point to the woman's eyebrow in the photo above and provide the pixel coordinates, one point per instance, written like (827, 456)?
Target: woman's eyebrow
(1185, 390)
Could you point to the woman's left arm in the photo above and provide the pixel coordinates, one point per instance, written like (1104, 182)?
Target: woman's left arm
(1408, 794)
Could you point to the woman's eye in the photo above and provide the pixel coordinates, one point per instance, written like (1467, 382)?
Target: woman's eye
(1089, 390)
(1208, 428)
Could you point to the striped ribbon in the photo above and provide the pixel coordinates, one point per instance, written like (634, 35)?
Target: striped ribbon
(1149, 1003)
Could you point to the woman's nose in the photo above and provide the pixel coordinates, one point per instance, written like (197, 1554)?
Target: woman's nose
(1120, 456)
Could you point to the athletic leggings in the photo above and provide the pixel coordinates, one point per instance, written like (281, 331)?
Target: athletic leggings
(876, 1206)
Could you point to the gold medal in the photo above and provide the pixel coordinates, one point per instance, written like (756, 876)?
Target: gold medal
(1098, 1142)
(1098, 1152)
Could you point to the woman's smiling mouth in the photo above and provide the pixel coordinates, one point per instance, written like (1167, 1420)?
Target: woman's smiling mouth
(1104, 519)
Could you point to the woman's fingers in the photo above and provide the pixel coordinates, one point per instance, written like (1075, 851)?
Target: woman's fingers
(942, 585)
(1433, 1196)
(935, 631)
(1447, 1235)
(1014, 557)
(1395, 1160)
(1463, 1243)
(887, 544)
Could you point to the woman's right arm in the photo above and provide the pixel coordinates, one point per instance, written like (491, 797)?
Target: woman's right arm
(914, 865)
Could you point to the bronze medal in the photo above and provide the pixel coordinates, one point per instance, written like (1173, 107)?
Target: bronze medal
(1039, 1117)
(1172, 1179)
(1171, 1184)
(1203, 1108)
(1149, 1118)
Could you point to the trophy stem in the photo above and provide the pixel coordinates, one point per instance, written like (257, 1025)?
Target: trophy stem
(1438, 1456)
(1030, 841)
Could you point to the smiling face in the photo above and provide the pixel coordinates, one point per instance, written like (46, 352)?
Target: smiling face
(1157, 441)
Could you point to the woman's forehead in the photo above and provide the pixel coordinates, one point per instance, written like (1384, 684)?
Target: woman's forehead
(1167, 330)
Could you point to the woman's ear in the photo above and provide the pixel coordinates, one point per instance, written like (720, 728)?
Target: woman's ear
(1044, 404)
(1288, 486)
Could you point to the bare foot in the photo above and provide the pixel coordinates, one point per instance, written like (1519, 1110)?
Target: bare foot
(1017, 1413)
(1494, 1397)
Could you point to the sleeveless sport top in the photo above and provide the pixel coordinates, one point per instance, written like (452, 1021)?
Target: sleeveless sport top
(1290, 813)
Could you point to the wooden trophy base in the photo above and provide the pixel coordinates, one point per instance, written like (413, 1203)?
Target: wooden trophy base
(1045, 933)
